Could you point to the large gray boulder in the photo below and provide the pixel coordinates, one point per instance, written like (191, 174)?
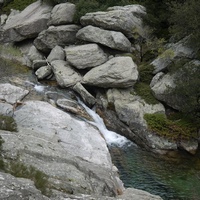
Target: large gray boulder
(65, 75)
(62, 14)
(161, 86)
(27, 24)
(124, 19)
(34, 54)
(12, 94)
(112, 39)
(120, 72)
(56, 35)
(85, 56)
(72, 153)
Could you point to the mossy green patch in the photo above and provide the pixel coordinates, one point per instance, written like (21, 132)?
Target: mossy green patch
(182, 129)
(146, 72)
(40, 179)
(7, 123)
(17, 5)
(144, 91)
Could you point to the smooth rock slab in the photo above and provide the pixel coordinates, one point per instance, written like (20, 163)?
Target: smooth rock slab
(11, 94)
(112, 39)
(56, 35)
(85, 56)
(65, 75)
(119, 72)
(57, 53)
(43, 72)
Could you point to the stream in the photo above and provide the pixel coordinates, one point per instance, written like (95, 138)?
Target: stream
(177, 179)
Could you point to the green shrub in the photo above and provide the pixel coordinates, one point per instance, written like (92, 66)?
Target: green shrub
(144, 91)
(40, 179)
(17, 5)
(7, 123)
(146, 72)
(175, 130)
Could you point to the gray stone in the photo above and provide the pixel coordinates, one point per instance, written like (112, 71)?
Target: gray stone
(12, 94)
(112, 39)
(27, 24)
(87, 97)
(120, 72)
(121, 19)
(175, 51)
(56, 35)
(190, 146)
(3, 19)
(34, 54)
(6, 109)
(68, 105)
(161, 86)
(12, 188)
(62, 14)
(65, 75)
(57, 53)
(85, 56)
(43, 72)
(38, 63)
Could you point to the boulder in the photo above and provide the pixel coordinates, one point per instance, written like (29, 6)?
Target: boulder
(112, 39)
(124, 19)
(161, 86)
(85, 56)
(43, 72)
(120, 72)
(18, 188)
(190, 146)
(65, 75)
(72, 153)
(57, 53)
(34, 54)
(38, 63)
(27, 24)
(131, 109)
(3, 19)
(86, 96)
(62, 13)
(56, 35)
(12, 94)
(174, 51)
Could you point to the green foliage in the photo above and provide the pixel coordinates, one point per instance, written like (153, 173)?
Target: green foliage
(144, 91)
(7, 123)
(146, 72)
(185, 20)
(40, 179)
(188, 89)
(182, 129)
(16, 4)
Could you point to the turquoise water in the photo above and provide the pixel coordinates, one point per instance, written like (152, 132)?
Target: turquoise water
(172, 180)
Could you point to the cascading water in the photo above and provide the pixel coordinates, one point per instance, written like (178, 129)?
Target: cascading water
(111, 137)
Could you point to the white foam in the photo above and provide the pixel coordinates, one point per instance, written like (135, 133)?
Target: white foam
(111, 137)
(39, 88)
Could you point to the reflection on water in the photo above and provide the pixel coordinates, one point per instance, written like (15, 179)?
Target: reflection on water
(178, 180)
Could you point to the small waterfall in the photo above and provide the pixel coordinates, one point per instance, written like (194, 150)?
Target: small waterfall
(111, 137)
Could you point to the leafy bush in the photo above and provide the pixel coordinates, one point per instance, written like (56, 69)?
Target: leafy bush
(17, 5)
(175, 130)
(144, 91)
(146, 72)
(7, 123)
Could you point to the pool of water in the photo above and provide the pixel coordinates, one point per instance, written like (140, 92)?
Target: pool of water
(172, 180)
